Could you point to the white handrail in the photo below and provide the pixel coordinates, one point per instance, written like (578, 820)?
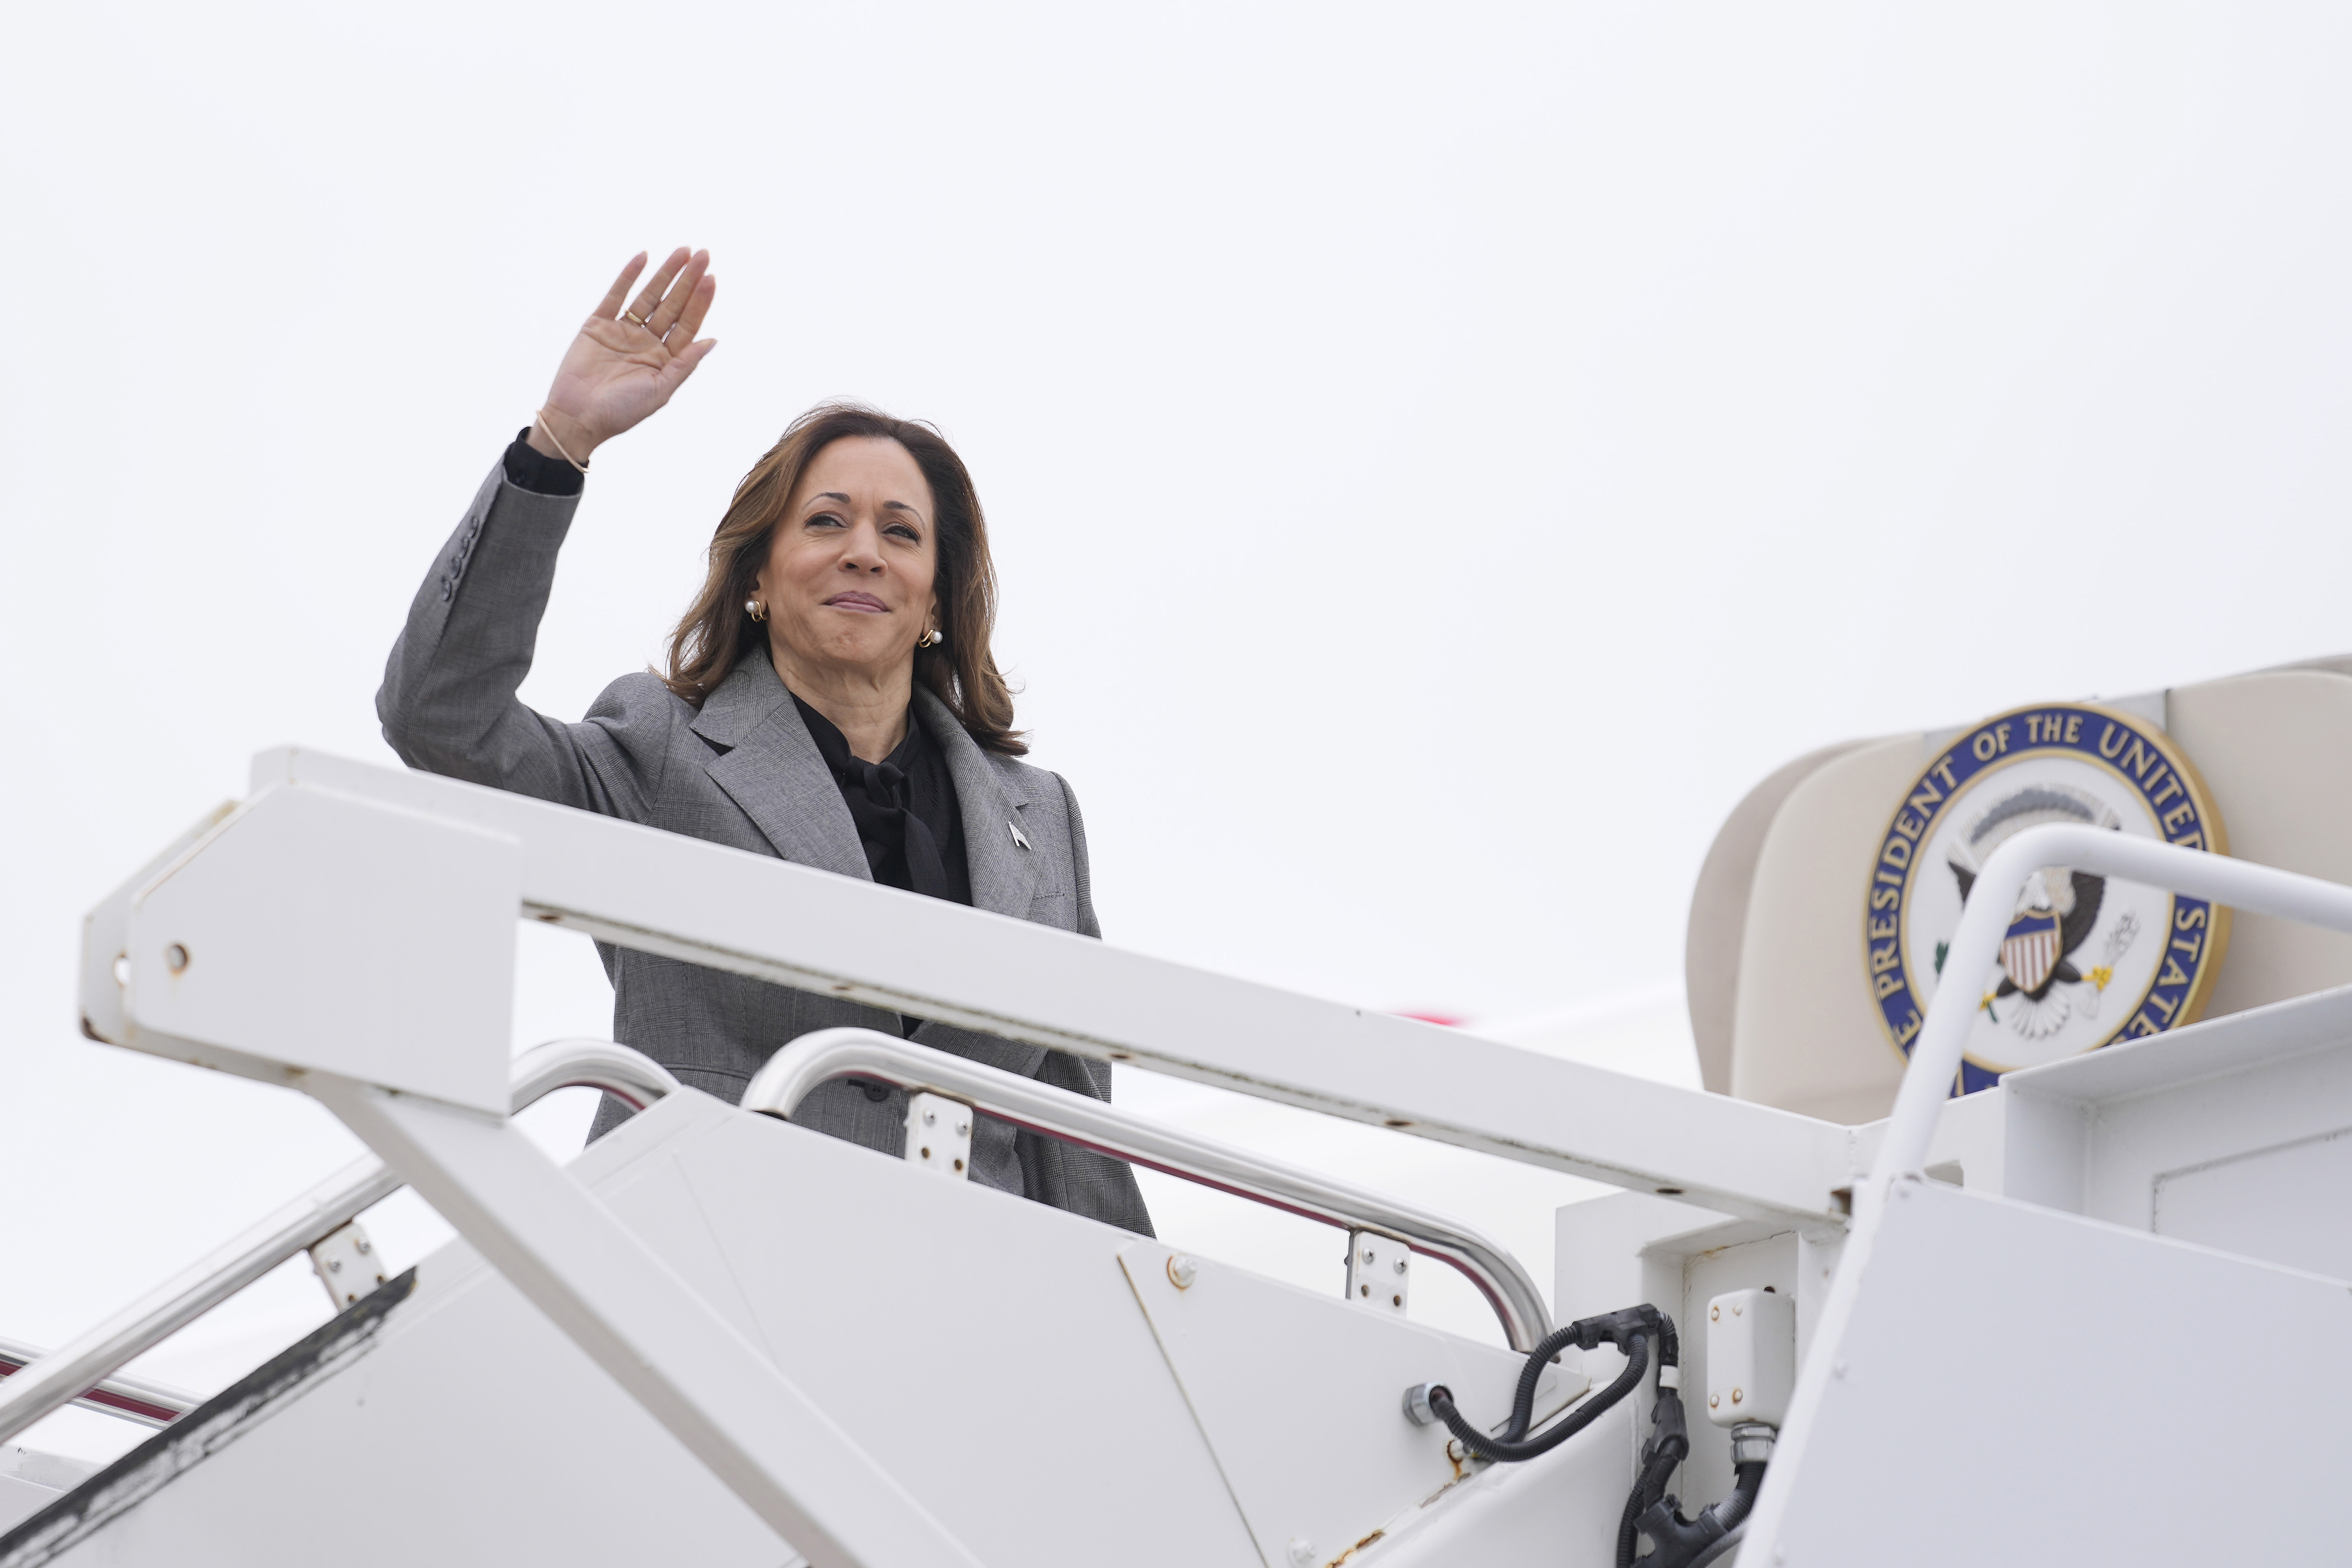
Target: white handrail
(630, 1077)
(1992, 901)
(779, 1087)
(84, 1364)
(676, 897)
(126, 1398)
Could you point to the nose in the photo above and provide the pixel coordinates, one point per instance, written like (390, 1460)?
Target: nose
(862, 551)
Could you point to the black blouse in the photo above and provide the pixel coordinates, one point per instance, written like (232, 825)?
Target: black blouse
(530, 469)
(905, 808)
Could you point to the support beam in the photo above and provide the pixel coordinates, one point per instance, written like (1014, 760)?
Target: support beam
(687, 1365)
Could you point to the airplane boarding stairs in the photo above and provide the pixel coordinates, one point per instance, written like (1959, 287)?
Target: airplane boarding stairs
(716, 1337)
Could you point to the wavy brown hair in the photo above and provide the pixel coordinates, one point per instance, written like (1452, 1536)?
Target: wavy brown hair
(715, 634)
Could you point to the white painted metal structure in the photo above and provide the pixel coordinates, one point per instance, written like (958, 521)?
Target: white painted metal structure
(83, 1373)
(778, 1087)
(767, 1341)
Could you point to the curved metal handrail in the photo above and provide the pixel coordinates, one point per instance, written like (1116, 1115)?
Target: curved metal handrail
(83, 1365)
(582, 1063)
(1985, 918)
(778, 1089)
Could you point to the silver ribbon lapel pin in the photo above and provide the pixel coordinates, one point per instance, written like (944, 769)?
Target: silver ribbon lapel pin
(1018, 837)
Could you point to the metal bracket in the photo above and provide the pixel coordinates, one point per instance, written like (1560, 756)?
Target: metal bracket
(1379, 1271)
(939, 1134)
(347, 1264)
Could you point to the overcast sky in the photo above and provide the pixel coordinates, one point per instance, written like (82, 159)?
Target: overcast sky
(1438, 458)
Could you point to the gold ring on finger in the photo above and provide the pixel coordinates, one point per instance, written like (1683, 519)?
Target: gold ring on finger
(633, 316)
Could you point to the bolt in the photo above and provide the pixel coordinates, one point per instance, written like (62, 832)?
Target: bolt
(959, 1164)
(1735, 1308)
(1368, 1255)
(1714, 1314)
(175, 958)
(962, 1128)
(334, 1266)
(1302, 1552)
(1713, 1400)
(1363, 1289)
(930, 1117)
(1396, 1301)
(1734, 1397)
(1181, 1271)
(927, 1154)
(1399, 1266)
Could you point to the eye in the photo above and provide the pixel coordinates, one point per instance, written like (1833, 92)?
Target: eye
(825, 519)
(906, 531)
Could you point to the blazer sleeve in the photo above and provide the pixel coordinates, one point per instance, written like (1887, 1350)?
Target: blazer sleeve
(448, 703)
(1087, 924)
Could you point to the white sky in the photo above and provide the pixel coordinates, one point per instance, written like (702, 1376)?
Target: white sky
(1438, 458)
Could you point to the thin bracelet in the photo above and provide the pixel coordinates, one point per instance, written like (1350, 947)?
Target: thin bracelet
(540, 419)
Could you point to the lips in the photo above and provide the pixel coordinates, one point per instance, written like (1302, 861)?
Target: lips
(865, 603)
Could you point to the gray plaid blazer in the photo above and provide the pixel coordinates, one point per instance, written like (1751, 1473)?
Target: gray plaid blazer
(741, 770)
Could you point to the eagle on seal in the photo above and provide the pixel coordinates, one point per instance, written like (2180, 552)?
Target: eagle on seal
(2058, 907)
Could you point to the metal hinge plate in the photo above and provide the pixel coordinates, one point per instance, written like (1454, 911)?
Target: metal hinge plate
(347, 1265)
(939, 1134)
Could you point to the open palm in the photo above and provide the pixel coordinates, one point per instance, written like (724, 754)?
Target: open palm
(624, 365)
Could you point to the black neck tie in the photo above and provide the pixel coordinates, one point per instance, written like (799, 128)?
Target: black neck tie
(878, 800)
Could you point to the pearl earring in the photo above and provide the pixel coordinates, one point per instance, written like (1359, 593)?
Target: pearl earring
(931, 639)
(756, 610)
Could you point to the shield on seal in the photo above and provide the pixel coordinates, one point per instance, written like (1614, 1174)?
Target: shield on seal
(2031, 949)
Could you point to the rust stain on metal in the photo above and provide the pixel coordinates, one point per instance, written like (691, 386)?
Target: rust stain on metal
(1355, 1548)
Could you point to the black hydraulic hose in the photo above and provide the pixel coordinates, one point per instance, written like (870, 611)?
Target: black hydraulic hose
(1647, 1490)
(1668, 1446)
(1746, 1480)
(1506, 1449)
(1679, 1542)
(1632, 1330)
(1724, 1547)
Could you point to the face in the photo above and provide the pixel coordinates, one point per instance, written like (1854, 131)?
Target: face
(848, 580)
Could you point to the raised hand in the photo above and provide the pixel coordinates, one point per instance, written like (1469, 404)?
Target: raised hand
(624, 365)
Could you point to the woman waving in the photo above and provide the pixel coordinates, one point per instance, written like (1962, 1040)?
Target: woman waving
(830, 699)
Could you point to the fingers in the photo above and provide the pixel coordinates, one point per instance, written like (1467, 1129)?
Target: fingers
(664, 316)
(610, 306)
(650, 296)
(697, 305)
(682, 362)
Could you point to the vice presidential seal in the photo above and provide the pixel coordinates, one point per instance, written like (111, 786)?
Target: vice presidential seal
(2086, 960)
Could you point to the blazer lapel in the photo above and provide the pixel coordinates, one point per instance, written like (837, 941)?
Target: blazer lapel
(1003, 874)
(773, 771)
